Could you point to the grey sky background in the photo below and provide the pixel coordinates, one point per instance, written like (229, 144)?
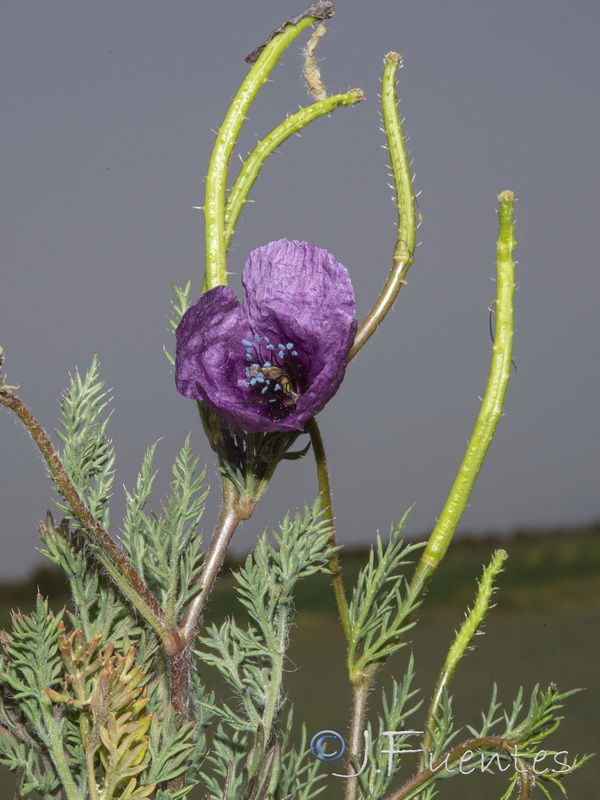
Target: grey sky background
(107, 111)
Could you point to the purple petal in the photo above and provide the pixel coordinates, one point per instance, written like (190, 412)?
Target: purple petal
(298, 315)
(209, 363)
(297, 292)
(208, 343)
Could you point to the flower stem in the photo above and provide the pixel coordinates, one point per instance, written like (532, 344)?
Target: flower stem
(180, 661)
(214, 202)
(360, 692)
(405, 201)
(463, 638)
(278, 648)
(108, 552)
(335, 566)
(251, 167)
(229, 518)
(491, 406)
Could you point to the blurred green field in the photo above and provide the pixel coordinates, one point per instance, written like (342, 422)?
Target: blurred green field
(545, 627)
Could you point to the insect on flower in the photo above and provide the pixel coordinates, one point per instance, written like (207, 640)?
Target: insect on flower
(273, 363)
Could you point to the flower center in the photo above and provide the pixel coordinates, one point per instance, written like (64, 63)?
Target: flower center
(270, 371)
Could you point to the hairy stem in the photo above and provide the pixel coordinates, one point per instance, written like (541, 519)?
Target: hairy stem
(179, 664)
(232, 513)
(463, 638)
(216, 177)
(491, 406)
(91, 773)
(335, 566)
(278, 646)
(361, 686)
(415, 785)
(253, 164)
(405, 200)
(108, 551)
(180, 661)
(56, 747)
(360, 692)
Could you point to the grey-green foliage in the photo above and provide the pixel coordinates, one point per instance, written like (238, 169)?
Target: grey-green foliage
(398, 707)
(381, 611)
(252, 660)
(87, 455)
(36, 742)
(300, 776)
(41, 738)
(248, 657)
(443, 732)
(58, 692)
(382, 603)
(170, 748)
(250, 755)
(178, 308)
(53, 693)
(516, 736)
(98, 608)
(175, 749)
(528, 724)
(506, 741)
(227, 757)
(166, 548)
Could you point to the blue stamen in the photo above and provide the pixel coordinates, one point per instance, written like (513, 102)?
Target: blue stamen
(267, 364)
(277, 387)
(260, 378)
(294, 353)
(247, 384)
(289, 346)
(247, 343)
(257, 338)
(270, 347)
(252, 381)
(267, 339)
(264, 390)
(248, 357)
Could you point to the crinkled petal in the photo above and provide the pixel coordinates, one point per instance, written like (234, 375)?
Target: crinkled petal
(209, 363)
(297, 292)
(208, 336)
(296, 295)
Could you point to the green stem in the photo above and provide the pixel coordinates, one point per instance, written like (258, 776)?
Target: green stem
(278, 647)
(251, 167)
(491, 406)
(59, 758)
(462, 640)
(108, 552)
(91, 774)
(214, 203)
(405, 199)
(335, 566)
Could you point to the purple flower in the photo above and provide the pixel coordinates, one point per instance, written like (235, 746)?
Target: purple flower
(272, 363)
